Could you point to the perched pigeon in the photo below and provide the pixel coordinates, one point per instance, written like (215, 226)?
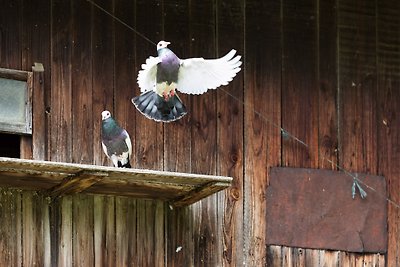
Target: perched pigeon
(162, 75)
(115, 141)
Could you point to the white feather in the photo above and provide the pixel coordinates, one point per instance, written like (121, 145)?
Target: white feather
(197, 75)
(147, 76)
(105, 149)
(128, 144)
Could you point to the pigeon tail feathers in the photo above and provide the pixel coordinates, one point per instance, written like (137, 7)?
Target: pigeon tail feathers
(155, 107)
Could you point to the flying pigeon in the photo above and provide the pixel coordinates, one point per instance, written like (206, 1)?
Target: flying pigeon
(115, 141)
(161, 76)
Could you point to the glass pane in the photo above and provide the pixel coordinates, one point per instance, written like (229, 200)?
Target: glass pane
(12, 101)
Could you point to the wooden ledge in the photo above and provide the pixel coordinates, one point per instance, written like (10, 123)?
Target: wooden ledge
(56, 179)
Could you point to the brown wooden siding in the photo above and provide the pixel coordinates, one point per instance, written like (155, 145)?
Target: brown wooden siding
(326, 72)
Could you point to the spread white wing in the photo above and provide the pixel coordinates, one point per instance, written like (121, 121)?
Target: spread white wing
(147, 75)
(197, 75)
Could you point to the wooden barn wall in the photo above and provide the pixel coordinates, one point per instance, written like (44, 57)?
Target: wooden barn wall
(325, 72)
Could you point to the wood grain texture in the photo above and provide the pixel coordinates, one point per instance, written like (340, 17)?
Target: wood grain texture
(61, 90)
(357, 42)
(388, 80)
(39, 122)
(149, 140)
(11, 35)
(102, 73)
(62, 237)
(357, 83)
(149, 151)
(299, 80)
(34, 218)
(36, 48)
(126, 69)
(358, 90)
(327, 76)
(58, 179)
(104, 218)
(207, 231)
(230, 160)
(81, 82)
(262, 120)
(82, 231)
(11, 231)
(177, 137)
(126, 232)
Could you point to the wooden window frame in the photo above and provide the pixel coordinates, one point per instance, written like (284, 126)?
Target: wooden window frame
(27, 77)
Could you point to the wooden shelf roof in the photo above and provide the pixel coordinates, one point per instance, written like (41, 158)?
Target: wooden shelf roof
(57, 179)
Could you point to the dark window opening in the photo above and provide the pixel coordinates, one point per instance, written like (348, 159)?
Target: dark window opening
(9, 145)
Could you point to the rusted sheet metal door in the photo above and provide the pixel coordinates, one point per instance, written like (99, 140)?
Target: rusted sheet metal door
(314, 209)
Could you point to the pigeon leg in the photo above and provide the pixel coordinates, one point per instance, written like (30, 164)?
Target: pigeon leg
(165, 95)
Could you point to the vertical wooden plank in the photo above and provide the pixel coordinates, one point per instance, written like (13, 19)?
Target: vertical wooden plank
(327, 103)
(126, 69)
(299, 257)
(151, 246)
(11, 230)
(82, 113)
(150, 218)
(11, 34)
(176, 28)
(102, 73)
(328, 258)
(358, 90)
(177, 153)
(346, 259)
(312, 257)
(47, 231)
(357, 83)
(327, 72)
(388, 80)
(61, 90)
(39, 122)
(262, 119)
(33, 220)
(149, 151)
(287, 256)
(125, 232)
(62, 218)
(36, 48)
(104, 231)
(274, 256)
(230, 17)
(206, 231)
(26, 151)
(300, 83)
(83, 227)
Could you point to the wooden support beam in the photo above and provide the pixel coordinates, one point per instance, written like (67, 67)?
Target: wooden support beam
(199, 193)
(76, 183)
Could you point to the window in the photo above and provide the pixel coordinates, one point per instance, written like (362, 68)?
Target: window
(15, 101)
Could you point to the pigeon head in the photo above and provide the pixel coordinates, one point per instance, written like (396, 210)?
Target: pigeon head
(105, 115)
(162, 44)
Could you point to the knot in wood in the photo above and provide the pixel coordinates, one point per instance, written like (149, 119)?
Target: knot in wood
(235, 193)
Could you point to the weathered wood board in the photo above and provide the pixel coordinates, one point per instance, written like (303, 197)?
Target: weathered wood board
(66, 178)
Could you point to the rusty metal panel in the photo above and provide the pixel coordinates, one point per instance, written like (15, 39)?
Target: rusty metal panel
(312, 208)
